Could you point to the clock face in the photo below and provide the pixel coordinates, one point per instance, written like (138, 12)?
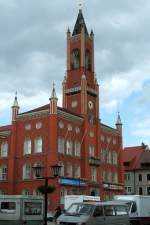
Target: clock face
(90, 104)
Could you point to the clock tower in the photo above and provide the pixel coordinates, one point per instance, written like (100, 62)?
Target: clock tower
(80, 87)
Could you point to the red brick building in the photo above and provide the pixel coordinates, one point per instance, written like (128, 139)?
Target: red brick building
(73, 136)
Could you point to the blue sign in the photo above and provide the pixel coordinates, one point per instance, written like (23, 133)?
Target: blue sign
(74, 182)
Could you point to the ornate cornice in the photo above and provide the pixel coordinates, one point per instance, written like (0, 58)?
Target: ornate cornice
(69, 116)
(4, 134)
(109, 129)
(32, 115)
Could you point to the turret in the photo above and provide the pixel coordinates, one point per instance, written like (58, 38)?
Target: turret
(53, 101)
(119, 124)
(15, 108)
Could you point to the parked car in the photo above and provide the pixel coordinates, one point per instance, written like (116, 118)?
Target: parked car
(95, 213)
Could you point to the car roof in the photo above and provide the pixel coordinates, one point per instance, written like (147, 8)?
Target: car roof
(104, 203)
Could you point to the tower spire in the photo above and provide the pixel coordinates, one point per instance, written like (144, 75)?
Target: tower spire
(53, 95)
(53, 101)
(15, 103)
(15, 108)
(80, 23)
(119, 124)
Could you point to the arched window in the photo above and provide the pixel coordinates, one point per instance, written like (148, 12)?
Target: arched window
(103, 153)
(27, 146)
(93, 174)
(77, 171)
(115, 178)
(4, 149)
(91, 150)
(38, 164)
(38, 145)
(108, 156)
(87, 59)
(77, 148)
(75, 58)
(61, 142)
(69, 147)
(63, 192)
(114, 158)
(26, 171)
(69, 170)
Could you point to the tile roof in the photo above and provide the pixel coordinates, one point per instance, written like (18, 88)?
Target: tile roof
(131, 156)
(5, 128)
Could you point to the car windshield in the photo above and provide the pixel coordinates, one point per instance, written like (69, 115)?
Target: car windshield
(78, 208)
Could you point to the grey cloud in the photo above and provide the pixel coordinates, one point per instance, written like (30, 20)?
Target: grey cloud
(33, 39)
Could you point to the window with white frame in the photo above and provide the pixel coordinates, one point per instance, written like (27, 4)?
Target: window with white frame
(77, 171)
(69, 170)
(115, 178)
(108, 155)
(103, 153)
(27, 146)
(38, 145)
(62, 169)
(104, 176)
(93, 174)
(77, 148)
(39, 165)
(61, 142)
(91, 150)
(128, 189)
(69, 147)
(63, 192)
(3, 172)
(26, 171)
(127, 176)
(4, 149)
(114, 158)
(102, 138)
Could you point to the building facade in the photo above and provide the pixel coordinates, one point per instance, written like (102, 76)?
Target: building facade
(89, 151)
(137, 170)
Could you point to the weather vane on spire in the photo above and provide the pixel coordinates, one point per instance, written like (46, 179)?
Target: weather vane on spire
(53, 85)
(80, 4)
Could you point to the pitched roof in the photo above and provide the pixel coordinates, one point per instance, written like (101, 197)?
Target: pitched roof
(144, 162)
(44, 107)
(131, 156)
(79, 24)
(5, 128)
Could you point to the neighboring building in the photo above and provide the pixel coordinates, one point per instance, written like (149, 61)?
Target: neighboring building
(73, 136)
(137, 170)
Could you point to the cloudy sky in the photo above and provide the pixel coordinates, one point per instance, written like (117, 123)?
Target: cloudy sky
(33, 55)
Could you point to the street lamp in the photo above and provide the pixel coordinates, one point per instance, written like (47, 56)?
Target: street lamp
(56, 170)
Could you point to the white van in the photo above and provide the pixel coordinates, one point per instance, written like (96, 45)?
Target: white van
(95, 213)
(69, 199)
(19, 210)
(139, 208)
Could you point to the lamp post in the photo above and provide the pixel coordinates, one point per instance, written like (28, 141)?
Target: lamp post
(56, 170)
